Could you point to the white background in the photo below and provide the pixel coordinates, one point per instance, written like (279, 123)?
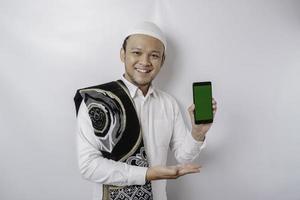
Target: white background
(250, 50)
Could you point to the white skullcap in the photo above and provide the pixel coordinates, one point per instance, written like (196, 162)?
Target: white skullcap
(148, 28)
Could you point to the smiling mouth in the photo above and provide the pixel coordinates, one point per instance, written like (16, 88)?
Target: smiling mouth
(143, 70)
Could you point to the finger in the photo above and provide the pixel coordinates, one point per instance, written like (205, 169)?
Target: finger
(214, 101)
(189, 166)
(185, 171)
(191, 112)
(214, 107)
(214, 104)
(179, 173)
(191, 108)
(172, 170)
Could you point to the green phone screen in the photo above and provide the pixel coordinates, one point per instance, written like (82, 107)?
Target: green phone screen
(203, 101)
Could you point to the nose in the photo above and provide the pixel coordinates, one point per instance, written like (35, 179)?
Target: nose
(144, 60)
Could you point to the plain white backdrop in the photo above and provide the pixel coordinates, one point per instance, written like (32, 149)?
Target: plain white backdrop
(250, 50)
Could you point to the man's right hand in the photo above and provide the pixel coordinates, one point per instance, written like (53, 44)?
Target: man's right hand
(171, 172)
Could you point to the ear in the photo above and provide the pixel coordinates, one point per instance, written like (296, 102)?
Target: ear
(122, 55)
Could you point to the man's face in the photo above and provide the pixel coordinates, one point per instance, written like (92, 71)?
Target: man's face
(143, 59)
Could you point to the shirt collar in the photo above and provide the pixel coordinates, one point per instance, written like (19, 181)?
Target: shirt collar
(133, 88)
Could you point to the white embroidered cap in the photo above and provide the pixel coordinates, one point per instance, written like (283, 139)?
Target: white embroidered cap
(148, 28)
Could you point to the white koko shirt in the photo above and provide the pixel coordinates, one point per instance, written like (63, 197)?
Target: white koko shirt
(162, 127)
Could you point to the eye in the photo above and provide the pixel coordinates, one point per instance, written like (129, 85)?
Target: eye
(136, 53)
(155, 56)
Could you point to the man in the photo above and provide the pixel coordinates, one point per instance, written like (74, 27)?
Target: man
(127, 126)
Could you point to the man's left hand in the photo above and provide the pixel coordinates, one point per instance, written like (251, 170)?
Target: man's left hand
(199, 130)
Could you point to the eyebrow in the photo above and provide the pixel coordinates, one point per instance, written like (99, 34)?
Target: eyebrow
(156, 51)
(136, 48)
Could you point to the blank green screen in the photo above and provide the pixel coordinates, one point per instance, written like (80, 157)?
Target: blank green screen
(203, 102)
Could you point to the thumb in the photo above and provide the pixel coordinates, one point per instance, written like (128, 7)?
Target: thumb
(191, 112)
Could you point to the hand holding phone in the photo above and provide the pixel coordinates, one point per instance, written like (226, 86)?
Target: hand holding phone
(202, 95)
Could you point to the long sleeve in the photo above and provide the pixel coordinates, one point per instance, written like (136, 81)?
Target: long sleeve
(184, 146)
(93, 166)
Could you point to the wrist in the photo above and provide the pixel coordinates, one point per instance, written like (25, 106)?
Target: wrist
(149, 174)
(198, 137)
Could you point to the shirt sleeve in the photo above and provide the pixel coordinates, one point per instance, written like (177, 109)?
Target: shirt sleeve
(184, 146)
(93, 166)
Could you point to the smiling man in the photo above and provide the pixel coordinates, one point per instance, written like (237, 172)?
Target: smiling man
(143, 57)
(127, 126)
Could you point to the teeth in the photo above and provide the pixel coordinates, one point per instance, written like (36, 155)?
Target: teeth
(142, 70)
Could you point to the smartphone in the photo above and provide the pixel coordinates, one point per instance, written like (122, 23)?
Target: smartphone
(202, 95)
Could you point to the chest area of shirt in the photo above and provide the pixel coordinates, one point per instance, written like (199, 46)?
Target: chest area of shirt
(156, 122)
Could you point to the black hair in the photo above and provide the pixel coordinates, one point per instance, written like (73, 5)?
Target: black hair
(125, 43)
